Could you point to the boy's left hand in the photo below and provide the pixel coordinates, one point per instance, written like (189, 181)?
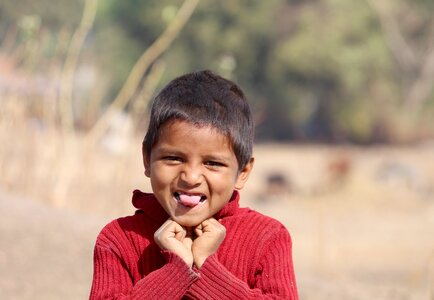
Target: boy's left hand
(209, 236)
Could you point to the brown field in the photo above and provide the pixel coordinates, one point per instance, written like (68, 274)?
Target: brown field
(361, 219)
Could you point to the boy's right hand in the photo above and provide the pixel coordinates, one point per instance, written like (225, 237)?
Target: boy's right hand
(175, 238)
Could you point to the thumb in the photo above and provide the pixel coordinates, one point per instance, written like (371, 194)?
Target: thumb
(198, 230)
(188, 239)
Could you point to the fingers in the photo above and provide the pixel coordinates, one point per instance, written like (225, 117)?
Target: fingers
(162, 228)
(170, 229)
(179, 231)
(214, 222)
(210, 234)
(209, 225)
(198, 230)
(187, 242)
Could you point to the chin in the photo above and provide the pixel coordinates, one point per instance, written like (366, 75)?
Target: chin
(188, 221)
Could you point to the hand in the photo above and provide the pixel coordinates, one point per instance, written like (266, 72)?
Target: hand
(175, 238)
(209, 236)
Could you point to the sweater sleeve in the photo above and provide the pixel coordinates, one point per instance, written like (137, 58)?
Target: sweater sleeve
(275, 277)
(111, 279)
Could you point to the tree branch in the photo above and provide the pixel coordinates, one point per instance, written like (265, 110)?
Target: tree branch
(70, 66)
(422, 87)
(136, 74)
(400, 49)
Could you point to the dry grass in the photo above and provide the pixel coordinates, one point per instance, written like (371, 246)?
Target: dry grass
(362, 219)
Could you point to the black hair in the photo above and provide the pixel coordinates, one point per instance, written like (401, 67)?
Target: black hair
(204, 98)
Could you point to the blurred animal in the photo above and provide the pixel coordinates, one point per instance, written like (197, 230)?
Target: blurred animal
(338, 169)
(277, 184)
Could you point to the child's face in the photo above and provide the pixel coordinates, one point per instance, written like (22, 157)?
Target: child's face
(193, 171)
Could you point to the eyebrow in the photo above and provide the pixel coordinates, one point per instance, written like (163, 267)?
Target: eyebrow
(219, 158)
(213, 156)
(169, 150)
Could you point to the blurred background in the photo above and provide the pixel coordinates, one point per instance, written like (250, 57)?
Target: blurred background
(343, 97)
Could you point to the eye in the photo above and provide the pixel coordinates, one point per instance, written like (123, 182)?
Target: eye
(172, 159)
(214, 164)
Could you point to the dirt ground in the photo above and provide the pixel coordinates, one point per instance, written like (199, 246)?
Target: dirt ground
(364, 234)
(361, 220)
(45, 253)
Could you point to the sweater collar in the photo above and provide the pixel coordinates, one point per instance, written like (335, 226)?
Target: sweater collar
(147, 203)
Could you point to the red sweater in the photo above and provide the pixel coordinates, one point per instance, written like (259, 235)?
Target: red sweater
(253, 262)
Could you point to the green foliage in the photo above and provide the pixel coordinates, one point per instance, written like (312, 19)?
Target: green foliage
(54, 14)
(336, 52)
(313, 70)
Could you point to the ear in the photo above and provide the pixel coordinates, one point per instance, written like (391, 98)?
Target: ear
(244, 174)
(146, 163)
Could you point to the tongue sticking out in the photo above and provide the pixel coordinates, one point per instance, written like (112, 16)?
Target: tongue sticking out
(188, 200)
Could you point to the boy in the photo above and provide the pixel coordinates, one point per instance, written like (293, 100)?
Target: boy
(190, 239)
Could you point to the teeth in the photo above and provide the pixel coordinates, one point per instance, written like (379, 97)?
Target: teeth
(177, 196)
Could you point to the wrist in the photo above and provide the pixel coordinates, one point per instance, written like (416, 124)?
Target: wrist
(188, 260)
(172, 256)
(189, 263)
(199, 261)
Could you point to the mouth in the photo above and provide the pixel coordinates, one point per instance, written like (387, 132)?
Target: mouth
(189, 199)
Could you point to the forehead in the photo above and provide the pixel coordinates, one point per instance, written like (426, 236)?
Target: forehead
(179, 132)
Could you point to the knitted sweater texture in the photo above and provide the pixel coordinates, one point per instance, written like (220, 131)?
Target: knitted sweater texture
(253, 262)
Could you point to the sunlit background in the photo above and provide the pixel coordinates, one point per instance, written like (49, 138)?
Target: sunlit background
(342, 93)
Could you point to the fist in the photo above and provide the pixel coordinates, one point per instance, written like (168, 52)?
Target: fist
(209, 236)
(177, 239)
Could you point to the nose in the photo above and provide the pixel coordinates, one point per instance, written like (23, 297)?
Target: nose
(191, 175)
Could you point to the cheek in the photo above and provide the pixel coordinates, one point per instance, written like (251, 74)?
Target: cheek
(223, 182)
(161, 170)
(160, 176)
